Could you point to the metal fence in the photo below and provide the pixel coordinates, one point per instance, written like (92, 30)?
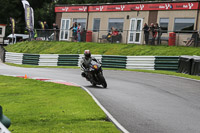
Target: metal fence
(179, 38)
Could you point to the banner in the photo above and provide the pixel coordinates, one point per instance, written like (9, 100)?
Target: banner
(24, 2)
(71, 9)
(29, 15)
(12, 20)
(32, 17)
(130, 7)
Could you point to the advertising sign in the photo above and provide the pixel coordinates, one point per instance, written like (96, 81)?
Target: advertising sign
(28, 17)
(130, 7)
(71, 9)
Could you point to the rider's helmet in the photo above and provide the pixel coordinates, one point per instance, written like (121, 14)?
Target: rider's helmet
(87, 54)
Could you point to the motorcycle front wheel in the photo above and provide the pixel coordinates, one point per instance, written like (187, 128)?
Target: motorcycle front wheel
(102, 80)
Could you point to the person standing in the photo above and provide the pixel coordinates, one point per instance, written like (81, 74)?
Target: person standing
(79, 32)
(146, 33)
(56, 32)
(158, 33)
(46, 27)
(153, 34)
(74, 31)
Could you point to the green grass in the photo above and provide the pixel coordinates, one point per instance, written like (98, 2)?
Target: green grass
(44, 47)
(40, 107)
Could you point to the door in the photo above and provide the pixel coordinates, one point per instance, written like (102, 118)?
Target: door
(64, 30)
(135, 30)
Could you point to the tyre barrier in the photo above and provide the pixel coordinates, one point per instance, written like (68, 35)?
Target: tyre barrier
(110, 61)
(140, 62)
(170, 63)
(31, 59)
(48, 60)
(15, 58)
(189, 65)
(68, 60)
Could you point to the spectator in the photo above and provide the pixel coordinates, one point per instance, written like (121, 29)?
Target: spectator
(146, 33)
(114, 34)
(55, 26)
(153, 33)
(79, 32)
(46, 25)
(83, 35)
(35, 35)
(56, 32)
(74, 31)
(109, 35)
(158, 33)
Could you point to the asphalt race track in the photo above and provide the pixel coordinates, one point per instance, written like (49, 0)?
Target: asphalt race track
(140, 102)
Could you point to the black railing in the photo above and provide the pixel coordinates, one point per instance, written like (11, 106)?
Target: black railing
(178, 38)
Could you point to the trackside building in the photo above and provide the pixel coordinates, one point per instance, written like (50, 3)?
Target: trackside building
(2, 32)
(129, 18)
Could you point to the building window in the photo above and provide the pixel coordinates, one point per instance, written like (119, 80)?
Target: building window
(96, 24)
(64, 29)
(184, 24)
(117, 23)
(82, 21)
(164, 24)
(0, 31)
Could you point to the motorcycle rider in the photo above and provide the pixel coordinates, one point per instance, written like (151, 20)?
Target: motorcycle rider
(85, 62)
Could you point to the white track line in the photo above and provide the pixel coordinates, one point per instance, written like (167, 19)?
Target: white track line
(117, 124)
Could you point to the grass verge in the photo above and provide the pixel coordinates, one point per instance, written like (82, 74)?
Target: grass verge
(53, 47)
(35, 106)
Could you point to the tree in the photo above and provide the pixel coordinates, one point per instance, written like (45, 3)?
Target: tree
(43, 10)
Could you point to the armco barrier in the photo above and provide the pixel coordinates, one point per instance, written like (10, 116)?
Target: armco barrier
(140, 62)
(108, 61)
(68, 60)
(111, 61)
(31, 59)
(15, 58)
(169, 63)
